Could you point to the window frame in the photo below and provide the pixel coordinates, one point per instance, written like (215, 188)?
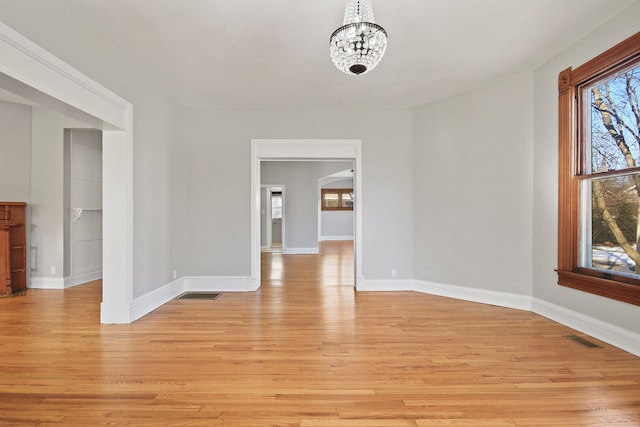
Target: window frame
(340, 192)
(281, 207)
(570, 162)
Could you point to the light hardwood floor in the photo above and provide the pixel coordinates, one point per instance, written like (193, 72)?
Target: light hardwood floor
(305, 350)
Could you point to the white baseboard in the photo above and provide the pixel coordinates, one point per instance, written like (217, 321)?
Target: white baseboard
(46, 283)
(300, 251)
(148, 302)
(81, 279)
(500, 299)
(606, 332)
(63, 283)
(323, 238)
(611, 334)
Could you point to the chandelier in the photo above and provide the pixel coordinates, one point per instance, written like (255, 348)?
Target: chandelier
(357, 47)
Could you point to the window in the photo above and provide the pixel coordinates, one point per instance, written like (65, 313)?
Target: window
(276, 205)
(337, 199)
(599, 174)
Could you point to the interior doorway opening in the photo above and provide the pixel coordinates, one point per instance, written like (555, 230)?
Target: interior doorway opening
(303, 150)
(272, 218)
(32, 73)
(277, 218)
(83, 206)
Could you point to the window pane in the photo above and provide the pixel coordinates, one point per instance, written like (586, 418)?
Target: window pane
(614, 128)
(614, 224)
(276, 206)
(330, 200)
(347, 200)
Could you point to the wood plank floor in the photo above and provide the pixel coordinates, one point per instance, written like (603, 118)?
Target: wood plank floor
(304, 351)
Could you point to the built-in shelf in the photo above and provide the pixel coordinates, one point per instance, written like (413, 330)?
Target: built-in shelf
(76, 213)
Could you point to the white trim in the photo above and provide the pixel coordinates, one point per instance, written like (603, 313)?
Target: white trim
(35, 67)
(81, 279)
(148, 302)
(619, 337)
(304, 149)
(501, 299)
(46, 283)
(268, 216)
(42, 77)
(323, 238)
(300, 251)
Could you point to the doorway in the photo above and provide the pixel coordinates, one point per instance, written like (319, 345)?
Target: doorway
(262, 149)
(64, 89)
(83, 199)
(277, 218)
(272, 218)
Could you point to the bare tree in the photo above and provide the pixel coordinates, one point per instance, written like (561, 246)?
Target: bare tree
(616, 145)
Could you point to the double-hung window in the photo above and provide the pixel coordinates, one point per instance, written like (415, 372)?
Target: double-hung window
(599, 174)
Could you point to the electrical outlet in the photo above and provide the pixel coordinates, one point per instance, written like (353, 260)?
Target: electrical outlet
(53, 269)
(175, 274)
(394, 273)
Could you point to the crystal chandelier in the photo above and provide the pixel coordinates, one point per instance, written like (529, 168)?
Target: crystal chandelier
(357, 47)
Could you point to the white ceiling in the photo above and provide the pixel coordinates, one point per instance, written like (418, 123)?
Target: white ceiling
(274, 53)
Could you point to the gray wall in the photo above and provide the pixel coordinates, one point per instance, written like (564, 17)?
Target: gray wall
(337, 223)
(473, 188)
(545, 178)
(15, 152)
(217, 146)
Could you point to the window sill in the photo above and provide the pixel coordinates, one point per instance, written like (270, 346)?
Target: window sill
(600, 286)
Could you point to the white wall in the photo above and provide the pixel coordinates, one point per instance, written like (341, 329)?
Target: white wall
(217, 144)
(472, 169)
(545, 206)
(15, 152)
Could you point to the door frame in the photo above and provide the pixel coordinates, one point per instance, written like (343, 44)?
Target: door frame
(304, 150)
(268, 211)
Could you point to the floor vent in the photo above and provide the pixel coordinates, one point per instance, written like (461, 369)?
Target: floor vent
(582, 341)
(199, 295)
